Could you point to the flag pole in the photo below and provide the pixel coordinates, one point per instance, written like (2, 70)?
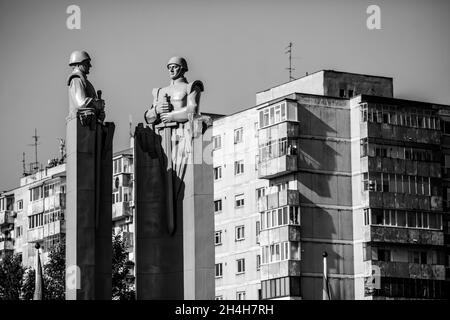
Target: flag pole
(38, 276)
(325, 284)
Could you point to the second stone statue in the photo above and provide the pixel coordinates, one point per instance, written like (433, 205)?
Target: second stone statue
(174, 250)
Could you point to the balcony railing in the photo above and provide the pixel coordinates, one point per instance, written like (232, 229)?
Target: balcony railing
(275, 167)
(403, 235)
(54, 227)
(6, 218)
(6, 245)
(281, 268)
(410, 270)
(121, 210)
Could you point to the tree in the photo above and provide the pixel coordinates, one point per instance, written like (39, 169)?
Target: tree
(28, 284)
(121, 289)
(11, 275)
(55, 272)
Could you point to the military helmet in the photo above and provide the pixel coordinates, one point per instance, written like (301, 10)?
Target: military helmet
(179, 61)
(78, 57)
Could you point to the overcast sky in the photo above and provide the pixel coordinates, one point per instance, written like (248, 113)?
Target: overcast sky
(235, 47)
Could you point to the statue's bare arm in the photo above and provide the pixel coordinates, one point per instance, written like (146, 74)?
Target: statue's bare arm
(192, 106)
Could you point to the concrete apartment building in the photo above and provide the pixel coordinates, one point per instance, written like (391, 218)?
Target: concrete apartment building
(35, 211)
(331, 162)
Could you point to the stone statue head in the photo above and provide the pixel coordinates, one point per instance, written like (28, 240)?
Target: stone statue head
(177, 67)
(80, 60)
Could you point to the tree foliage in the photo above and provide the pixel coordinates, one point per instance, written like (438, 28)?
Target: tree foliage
(55, 273)
(11, 275)
(28, 284)
(121, 289)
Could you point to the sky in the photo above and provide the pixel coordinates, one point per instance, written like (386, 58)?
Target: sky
(236, 48)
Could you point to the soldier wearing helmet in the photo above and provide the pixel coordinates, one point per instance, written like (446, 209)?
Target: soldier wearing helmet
(82, 95)
(183, 96)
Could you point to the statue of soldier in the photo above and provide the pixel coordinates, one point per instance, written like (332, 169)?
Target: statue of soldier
(83, 99)
(172, 115)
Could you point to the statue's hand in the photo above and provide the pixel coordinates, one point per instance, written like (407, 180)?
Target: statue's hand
(162, 107)
(166, 117)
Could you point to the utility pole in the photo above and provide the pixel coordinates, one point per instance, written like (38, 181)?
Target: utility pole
(290, 69)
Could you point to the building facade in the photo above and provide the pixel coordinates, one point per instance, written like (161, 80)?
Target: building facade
(307, 170)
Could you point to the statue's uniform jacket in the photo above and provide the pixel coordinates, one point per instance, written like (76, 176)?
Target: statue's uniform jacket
(81, 92)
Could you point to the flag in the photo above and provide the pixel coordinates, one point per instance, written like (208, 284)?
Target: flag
(39, 281)
(326, 292)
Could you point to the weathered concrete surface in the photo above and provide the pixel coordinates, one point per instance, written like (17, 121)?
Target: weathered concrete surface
(89, 216)
(178, 266)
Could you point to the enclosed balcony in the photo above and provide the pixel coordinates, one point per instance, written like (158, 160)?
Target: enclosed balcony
(279, 199)
(6, 245)
(121, 210)
(54, 228)
(6, 218)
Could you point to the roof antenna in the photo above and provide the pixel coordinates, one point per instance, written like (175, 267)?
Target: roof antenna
(130, 119)
(35, 164)
(24, 167)
(290, 69)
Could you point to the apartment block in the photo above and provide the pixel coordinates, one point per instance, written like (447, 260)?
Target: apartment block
(319, 175)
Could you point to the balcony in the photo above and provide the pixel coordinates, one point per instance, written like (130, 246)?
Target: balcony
(280, 269)
(403, 235)
(410, 270)
(6, 245)
(279, 199)
(54, 227)
(120, 210)
(276, 167)
(128, 239)
(279, 234)
(6, 218)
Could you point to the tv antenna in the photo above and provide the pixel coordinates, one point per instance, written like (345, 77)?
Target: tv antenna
(290, 69)
(35, 165)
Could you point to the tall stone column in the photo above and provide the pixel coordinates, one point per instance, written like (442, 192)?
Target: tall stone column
(89, 210)
(178, 265)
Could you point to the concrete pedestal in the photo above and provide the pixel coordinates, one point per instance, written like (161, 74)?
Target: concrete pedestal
(89, 211)
(178, 265)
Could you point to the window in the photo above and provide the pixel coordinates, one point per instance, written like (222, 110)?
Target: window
(260, 192)
(258, 261)
(217, 173)
(219, 271)
(364, 147)
(217, 205)
(366, 217)
(240, 295)
(342, 93)
(240, 265)
(238, 135)
(19, 205)
(240, 235)
(294, 215)
(217, 142)
(384, 255)
(350, 93)
(365, 181)
(218, 237)
(239, 200)
(238, 167)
